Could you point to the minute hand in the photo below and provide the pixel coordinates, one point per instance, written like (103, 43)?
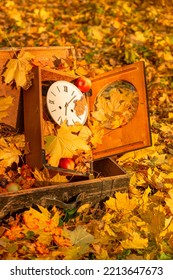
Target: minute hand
(67, 103)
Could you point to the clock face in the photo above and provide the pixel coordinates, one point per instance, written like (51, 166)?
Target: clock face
(66, 102)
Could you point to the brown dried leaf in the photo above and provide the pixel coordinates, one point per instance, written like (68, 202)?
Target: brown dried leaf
(80, 106)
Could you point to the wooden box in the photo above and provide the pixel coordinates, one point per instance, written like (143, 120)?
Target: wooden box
(73, 194)
(105, 176)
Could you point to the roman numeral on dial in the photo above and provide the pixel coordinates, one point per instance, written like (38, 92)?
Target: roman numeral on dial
(51, 101)
(65, 88)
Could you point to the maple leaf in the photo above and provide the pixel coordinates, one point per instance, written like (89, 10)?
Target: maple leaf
(116, 107)
(96, 33)
(9, 153)
(44, 176)
(122, 202)
(169, 200)
(5, 103)
(80, 240)
(41, 248)
(84, 208)
(42, 13)
(65, 144)
(19, 70)
(135, 242)
(42, 224)
(48, 128)
(85, 132)
(144, 199)
(14, 233)
(97, 133)
(75, 252)
(80, 236)
(101, 253)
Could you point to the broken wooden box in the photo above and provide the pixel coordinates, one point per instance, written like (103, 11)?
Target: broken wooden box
(120, 135)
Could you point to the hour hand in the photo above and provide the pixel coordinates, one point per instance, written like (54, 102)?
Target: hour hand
(66, 104)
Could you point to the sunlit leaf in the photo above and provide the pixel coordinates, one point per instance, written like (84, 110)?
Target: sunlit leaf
(135, 242)
(80, 236)
(9, 153)
(65, 144)
(169, 200)
(18, 70)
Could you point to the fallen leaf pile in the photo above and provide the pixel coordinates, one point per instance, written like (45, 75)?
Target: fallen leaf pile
(106, 34)
(139, 227)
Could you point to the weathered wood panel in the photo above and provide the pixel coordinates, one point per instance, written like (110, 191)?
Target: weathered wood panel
(69, 195)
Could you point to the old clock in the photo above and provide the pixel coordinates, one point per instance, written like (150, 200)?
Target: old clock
(66, 102)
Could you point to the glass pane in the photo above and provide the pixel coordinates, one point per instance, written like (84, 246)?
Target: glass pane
(116, 104)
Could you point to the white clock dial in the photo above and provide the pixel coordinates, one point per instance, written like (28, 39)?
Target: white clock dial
(66, 102)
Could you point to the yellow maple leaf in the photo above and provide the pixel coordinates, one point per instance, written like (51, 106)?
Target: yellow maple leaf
(48, 128)
(65, 144)
(85, 132)
(169, 200)
(135, 241)
(101, 253)
(116, 106)
(97, 133)
(5, 103)
(96, 33)
(44, 176)
(18, 70)
(41, 13)
(144, 199)
(122, 202)
(13, 13)
(9, 153)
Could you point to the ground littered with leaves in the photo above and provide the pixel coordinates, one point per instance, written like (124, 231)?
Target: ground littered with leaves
(107, 34)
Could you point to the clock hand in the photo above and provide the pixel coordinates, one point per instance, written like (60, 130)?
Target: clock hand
(66, 108)
(67, 103)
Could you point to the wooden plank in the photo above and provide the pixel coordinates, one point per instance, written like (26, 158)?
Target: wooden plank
(33, 121)
(65, 195)
(55, 75)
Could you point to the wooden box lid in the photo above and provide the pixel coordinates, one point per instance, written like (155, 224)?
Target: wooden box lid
(135, 132)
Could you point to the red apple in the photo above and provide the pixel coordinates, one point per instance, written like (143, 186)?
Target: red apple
(67, 163)
(83, 83)
(12, 187)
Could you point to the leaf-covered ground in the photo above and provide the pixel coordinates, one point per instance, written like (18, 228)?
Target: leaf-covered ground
(106, 34)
